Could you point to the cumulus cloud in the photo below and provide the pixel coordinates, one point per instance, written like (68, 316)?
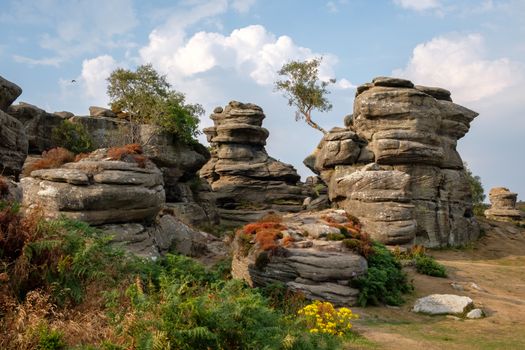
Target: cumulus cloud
(418, 5)
(251, 50)
(95, 71)
(459, 63)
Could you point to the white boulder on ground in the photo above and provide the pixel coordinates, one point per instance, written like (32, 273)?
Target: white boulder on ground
(443, 304)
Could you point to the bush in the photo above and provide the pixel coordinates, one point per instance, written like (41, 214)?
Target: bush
(322, 317)
(384, 281)
(427, 265)
(73, 137)
(54, 158)
(131, 152)
(50, 339)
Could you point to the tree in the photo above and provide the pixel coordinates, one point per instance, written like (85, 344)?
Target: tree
(476, 189)
(304, 89)
(148, 98)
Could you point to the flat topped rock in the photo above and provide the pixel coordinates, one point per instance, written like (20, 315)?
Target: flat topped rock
(436, 92)
(443, 304)
(392, 82)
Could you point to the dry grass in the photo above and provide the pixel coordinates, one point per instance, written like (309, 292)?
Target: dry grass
(54, 158)
(130, 152)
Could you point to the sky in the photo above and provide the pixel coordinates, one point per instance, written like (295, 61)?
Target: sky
(221, 50)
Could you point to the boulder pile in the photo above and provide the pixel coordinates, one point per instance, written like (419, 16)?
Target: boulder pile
(395, 165)
(310, 252)
(247, 182)
(503, 205)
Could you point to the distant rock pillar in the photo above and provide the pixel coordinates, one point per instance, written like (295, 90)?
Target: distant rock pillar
(503, 205)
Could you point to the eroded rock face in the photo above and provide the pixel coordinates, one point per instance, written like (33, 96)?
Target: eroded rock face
(96, 190)
(395, 164)
(38, 125)
(247, 182)
(305, 258)
(9, 92)
(13, 145)
(503, 205)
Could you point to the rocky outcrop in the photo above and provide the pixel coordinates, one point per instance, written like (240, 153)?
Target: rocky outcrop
(396, 167)
(9, 92)
(166, 234)
(101, 112)
(13, 139)
(309, 255)
(96, 190)
(38, 125)
(503, 205)
(247, 182)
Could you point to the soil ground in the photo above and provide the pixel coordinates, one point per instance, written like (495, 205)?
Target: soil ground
(491, 271)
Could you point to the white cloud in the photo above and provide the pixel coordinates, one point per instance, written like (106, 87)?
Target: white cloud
(242, 6)
(251, 50)
(72, 28)
(95, 71)
(332, 7)
(46, 61)
(418, 5)
(458, 63)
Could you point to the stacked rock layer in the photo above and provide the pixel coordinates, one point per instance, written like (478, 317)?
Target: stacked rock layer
(503, 205)
(396, 167)
(246, 181)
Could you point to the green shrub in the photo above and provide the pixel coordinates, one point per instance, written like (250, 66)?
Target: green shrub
(427, 265)
(50, 339)
(73, 137)
(384, 281)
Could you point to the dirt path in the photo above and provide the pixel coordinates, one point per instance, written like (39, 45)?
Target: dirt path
(491, 271)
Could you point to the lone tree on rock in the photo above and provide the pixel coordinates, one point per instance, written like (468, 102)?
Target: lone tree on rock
(148, 98)
(304, 89)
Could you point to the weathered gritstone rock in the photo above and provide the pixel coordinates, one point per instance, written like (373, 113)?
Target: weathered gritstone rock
(443, 304)
(13, 145)
(503, 205)
(38, 124)
(247, 182)
(9, 92)
(96, 190)
(395, 165)
(305, 259)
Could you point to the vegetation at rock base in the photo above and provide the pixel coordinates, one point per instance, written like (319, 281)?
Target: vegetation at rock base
(51, 159)
(476, 190)
(131, 152)
(322, 317)
(148, 98)
(424, 263)
(304, 90)
(384, 281)
(72, 137)
(62, 285)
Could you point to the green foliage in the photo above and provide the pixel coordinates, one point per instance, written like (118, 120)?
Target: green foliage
(337, 236)
(72, 137)
(150, 99)
(476, 188)
(427, 265)
(50, 339)
(304, 90)
(384, 281)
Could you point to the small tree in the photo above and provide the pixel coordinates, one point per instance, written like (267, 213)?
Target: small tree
(304, 89)
(149, 99)
(476, 189)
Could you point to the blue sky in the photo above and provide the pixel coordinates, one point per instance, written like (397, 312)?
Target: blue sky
(217, 51)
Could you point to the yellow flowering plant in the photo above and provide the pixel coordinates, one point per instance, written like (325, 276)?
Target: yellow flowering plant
(323, 317)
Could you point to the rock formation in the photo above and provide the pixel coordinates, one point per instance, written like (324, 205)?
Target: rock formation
(503, 205)
(13, 139)
(246, 181)
(96, 190)
(305, 257)
(395, 165)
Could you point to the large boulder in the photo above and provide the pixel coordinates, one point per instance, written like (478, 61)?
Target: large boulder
(443, 304)
(503, 205)
(246, 181)
(9, 92)
(38, 125)
(13, 145)
(96, 190)
(308, 255)
(396, 167)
